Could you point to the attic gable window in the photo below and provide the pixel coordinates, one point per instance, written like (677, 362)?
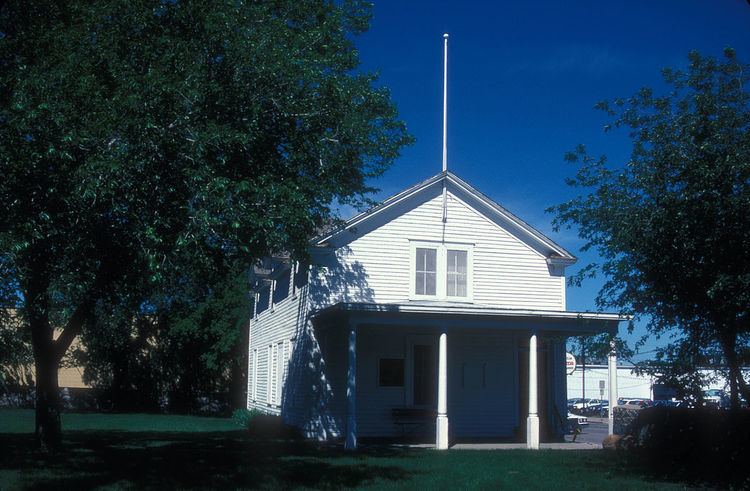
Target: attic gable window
(441, 271)
(426, 271)
(457, 273)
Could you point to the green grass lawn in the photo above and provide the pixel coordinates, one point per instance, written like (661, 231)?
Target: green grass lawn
(164, 451)
(22, 421)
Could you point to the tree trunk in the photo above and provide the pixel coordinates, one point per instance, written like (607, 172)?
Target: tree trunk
(48, 430)
(729, 345)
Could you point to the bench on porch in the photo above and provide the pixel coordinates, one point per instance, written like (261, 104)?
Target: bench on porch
(413, 417)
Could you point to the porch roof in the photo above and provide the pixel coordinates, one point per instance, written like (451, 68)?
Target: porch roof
(469, 315)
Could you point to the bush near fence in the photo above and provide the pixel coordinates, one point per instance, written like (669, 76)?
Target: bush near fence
(623, 418)
(695, 444)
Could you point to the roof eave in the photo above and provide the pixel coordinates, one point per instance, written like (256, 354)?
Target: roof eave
(352, 222)
(561, 251)
(473, 310)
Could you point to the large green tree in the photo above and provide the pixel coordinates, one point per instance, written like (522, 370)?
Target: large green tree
(187, 341)
(135, 132)
(672, 224)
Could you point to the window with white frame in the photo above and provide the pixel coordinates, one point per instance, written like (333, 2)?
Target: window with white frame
(425, 271)
(441, 271)
(456, 273)
(255, 375)
(270, 376)
(279, 371)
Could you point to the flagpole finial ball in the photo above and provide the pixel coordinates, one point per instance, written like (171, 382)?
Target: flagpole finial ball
(445, 36)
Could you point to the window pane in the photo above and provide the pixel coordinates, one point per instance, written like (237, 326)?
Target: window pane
(456, 276)
(426, 259)
(282, 287)
(457, 261)
(430, 283)
(425, 283)
(391, 372)
(461, 287)
(263, 299)
(426, 271)
(300, 277)
(431, 256)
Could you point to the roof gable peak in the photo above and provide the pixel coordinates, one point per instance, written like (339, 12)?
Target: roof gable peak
(479, 201)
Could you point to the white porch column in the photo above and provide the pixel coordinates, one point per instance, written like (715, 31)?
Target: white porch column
(532, 423)
(351, 391)
(441, 439)
(612, 369)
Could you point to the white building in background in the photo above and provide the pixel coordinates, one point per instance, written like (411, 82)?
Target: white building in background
(596, 382)
(629, 384)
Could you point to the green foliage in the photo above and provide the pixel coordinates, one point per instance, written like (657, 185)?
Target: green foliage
(139, 137)
(15, 356)
(185, 342)
(243, 417)
(671, 224)
(596, 349)
(225, 129)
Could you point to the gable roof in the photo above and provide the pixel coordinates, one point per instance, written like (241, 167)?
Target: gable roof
(554, 253)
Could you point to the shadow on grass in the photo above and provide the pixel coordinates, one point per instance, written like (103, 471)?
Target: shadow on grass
(179, 460)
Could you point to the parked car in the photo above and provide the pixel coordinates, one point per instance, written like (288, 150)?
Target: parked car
(597, 407)
(576, 422)
(716, 398)
(578, 404)
(635, 401)
(572, 402)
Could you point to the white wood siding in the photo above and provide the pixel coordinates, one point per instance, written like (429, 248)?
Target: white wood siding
(273, 331)
(482, 382)
(376, 266)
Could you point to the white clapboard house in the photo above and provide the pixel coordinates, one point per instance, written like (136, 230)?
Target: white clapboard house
(437, 312)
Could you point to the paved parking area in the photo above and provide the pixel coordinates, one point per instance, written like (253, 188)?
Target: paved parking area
(593, 433)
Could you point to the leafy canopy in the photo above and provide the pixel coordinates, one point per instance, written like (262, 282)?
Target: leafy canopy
(153, 127)
(138, 137)
(672, 225)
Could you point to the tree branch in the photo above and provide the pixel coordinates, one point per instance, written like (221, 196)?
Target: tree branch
(106, 276)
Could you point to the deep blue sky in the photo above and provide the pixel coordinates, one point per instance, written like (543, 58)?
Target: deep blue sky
(523, 80)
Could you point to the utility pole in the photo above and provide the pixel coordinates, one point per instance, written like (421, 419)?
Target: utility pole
(583, 370)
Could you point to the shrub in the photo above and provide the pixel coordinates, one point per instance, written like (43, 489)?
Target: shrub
(624, 417)
(694, 444)
(243, 417)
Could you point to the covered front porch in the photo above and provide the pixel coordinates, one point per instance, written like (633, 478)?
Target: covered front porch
(450, 373)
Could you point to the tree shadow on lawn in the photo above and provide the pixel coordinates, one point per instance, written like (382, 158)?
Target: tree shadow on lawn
(185, 460)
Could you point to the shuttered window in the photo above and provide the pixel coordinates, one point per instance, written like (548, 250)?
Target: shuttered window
(269, 375)
(279, 371)
(255, 375)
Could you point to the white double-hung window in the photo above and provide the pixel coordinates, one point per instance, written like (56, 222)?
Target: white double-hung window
(441, 271)
(425, 271)
(457, 274)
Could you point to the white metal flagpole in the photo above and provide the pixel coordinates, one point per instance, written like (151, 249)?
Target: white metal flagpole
(445, 124)
(445, 102)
